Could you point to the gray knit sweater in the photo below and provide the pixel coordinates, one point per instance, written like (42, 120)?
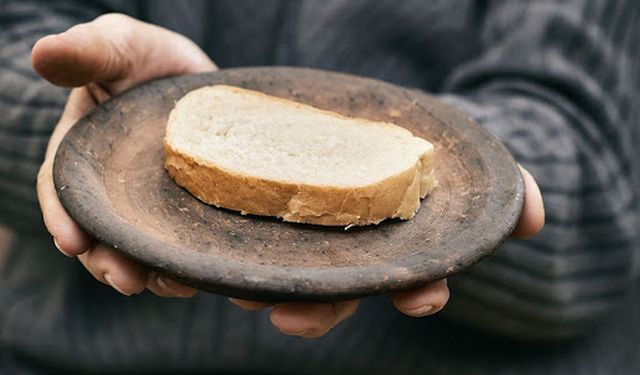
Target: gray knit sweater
(557, 81)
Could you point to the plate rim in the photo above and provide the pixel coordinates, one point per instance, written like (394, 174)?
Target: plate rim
(271, 283)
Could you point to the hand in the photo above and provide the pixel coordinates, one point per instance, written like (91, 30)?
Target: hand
(103, 58)
(308, 319)
(115, 52)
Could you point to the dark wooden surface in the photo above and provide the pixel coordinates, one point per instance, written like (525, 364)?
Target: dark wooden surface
(109, 175)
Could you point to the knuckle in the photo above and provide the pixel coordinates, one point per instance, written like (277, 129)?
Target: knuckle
(114, 18)
(121, 32)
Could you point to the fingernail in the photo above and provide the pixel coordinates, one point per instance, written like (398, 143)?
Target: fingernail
(108, 278)
(55, 243)
(167, 285)
(420, 311)
(164, 285)
(300, 333)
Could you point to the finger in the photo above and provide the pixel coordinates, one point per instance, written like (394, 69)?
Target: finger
(309, 319)
(118, 51)
(113, 268)
(97, 92)
(79, 103)
(166, 287)
(68, 237)
(423, 301)
(532, 216)
(249, 305)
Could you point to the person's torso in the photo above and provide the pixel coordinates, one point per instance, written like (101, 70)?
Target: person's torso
(414, 43)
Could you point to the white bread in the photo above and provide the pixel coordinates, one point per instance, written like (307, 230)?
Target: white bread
(258, 154)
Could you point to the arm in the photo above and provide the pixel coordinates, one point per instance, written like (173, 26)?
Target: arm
(556, 84)
(107, 56)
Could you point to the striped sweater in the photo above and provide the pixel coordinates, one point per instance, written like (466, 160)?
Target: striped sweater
(557, 81)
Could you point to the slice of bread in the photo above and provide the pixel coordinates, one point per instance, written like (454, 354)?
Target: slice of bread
(258, 154)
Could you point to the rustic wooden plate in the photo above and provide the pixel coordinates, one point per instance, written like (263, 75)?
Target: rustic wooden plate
(109, 176)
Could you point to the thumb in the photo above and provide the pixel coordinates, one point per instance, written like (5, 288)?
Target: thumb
(118, 52)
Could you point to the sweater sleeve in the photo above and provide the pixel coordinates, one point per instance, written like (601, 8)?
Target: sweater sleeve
(29, 105)
(557, 84)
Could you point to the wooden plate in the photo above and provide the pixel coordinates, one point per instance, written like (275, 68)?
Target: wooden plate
(109, 176)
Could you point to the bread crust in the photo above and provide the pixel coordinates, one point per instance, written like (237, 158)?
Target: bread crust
(397, 196)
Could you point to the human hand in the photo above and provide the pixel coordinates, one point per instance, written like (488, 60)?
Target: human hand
(115, 52)
(307, 319)
(100, 59)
